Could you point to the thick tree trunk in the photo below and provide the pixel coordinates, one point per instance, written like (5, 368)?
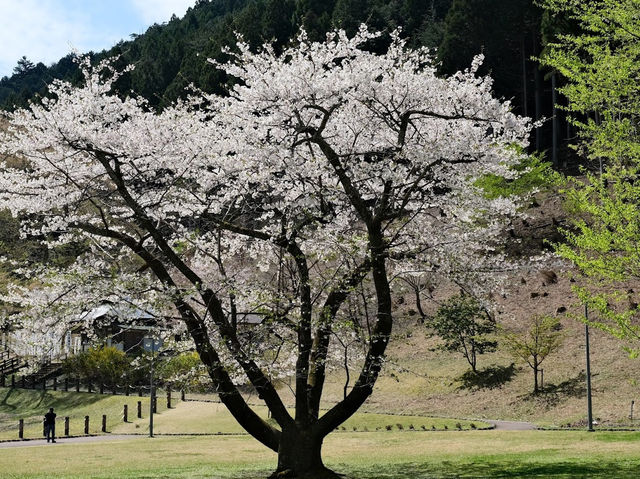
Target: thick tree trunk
(300, 457)
(423, 316)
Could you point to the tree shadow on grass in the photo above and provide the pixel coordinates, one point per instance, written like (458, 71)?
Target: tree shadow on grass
(446, 469)
(488, 378)
(553, 394)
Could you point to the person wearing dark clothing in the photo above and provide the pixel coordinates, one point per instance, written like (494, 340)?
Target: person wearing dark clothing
(50, 425)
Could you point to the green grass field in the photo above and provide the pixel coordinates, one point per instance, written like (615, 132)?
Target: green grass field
(388, 455)
(183, 418)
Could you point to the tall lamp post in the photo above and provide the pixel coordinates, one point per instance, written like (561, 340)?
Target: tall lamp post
(586, 338)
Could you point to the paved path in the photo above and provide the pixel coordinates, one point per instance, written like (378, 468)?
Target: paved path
(511, 425)
(68, 440)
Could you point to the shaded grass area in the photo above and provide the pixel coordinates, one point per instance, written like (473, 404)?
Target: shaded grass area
(487, 468)
(31, 405)
(490, 377)
(396, 455)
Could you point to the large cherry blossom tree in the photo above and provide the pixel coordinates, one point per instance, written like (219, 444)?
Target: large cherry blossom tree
(325, 170)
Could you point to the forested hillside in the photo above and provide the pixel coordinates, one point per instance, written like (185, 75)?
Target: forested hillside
(171, 56)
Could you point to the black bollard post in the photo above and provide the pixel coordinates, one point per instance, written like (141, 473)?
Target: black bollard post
(21, 429)
(66, 426)
(125, 413)
(139, 409)
(104, 423)
(86, 424)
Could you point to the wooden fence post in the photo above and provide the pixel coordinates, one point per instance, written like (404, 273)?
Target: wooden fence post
(21, 429)
(86, 424)
(168, 398)
(125, 413)
(139, 409)
(182, 395)
(104, 423)
(66, 426)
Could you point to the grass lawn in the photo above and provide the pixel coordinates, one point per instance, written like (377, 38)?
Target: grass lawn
(388, 455)
(183, 418)
(211, 418)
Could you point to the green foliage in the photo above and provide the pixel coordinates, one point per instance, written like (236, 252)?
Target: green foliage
(541, 338)
(601, 67)
(184, 371)
(534, 174)
(106, 365)
(464, 326)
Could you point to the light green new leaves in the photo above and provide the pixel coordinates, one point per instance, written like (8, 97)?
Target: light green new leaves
(602, 73)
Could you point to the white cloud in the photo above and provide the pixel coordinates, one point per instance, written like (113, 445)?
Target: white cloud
(158, 11)
(44, 31)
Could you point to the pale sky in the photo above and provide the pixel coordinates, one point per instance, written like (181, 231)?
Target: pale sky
(46, 30)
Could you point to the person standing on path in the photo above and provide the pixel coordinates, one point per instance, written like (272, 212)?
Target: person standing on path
(50, 425)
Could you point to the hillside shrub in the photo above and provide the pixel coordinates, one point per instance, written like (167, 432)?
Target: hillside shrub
(464, 326)
(105, 365)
